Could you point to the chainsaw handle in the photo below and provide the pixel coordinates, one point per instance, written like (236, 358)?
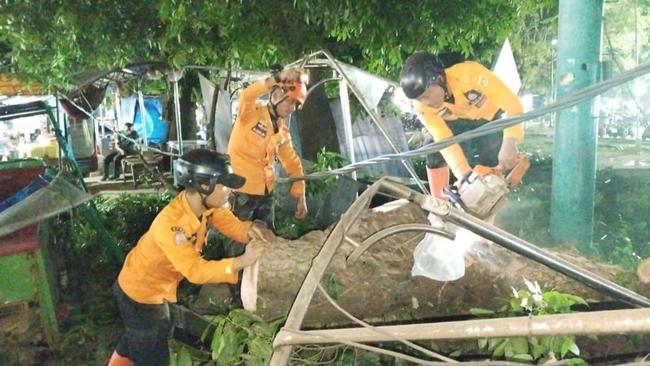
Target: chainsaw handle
(514, 176)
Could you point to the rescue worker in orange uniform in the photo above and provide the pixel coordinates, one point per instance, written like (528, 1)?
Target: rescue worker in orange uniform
(171, 250)
(259, 136)
(457, 99)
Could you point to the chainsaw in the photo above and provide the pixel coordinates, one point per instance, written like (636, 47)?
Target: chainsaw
(484, 191)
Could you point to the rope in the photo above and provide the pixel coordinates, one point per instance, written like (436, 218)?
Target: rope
(569, 100)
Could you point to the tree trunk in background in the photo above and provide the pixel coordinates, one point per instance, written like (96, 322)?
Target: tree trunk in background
(316, 124)
(189, 128)
(379, 287)
(188, 118)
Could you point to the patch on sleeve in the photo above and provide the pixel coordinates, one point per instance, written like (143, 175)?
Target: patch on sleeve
(260, 129)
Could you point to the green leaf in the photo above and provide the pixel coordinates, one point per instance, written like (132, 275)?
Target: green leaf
(519, 345)
(184, 357)
(566, 346)
(523, 358)
(482, 343)
(456, 353)
(500, 349)
(481, 313)
(494, 343)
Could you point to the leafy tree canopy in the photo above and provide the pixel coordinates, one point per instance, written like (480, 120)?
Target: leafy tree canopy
(47, 41)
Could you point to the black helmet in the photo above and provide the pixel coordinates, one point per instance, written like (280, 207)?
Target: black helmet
(420, 70)
(202, 167)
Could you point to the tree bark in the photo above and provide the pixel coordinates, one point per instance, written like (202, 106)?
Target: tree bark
(379, 286)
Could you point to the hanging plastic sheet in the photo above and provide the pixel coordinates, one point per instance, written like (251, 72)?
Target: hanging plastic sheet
(371, 87)
(222, 112)
(157, 128)
(52, 199)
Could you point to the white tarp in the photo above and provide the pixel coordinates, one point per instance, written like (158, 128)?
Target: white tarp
(222, 114)
(506, 68)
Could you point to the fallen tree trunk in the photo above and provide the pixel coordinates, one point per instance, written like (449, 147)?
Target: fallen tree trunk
(379, 287)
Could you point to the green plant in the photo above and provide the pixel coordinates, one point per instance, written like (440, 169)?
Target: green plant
(292, 228)
(325, 161)
(241, 337)
(620, 232)
(532, 301)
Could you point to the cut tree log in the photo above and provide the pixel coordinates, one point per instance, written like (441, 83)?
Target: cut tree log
(379, 287)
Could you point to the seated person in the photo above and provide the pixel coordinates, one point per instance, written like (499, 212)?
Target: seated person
(124, 147)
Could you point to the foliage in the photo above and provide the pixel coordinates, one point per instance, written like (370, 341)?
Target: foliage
(621, 232)
(49, 41)
(325, 161)
(291, 228)
(531, 44)
(237, 338)
(532, 301)
(127, 217)
(420, 166)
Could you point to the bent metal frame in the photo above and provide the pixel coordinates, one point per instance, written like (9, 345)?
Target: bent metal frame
(601, 322)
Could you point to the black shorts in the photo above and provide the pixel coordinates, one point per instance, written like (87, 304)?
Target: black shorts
(483, 150)
(144, 341)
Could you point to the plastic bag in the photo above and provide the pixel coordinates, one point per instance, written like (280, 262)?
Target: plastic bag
(437, 257)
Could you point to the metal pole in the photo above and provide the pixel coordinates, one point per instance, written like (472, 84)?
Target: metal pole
(177, 114)
(375, 117)
(530, 251)
(511, 242)
(628, 321)
(143, 119)
(347, 122)
(298, 310)
(574, 157)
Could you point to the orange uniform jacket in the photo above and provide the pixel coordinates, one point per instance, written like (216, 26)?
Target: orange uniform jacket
(478, 94)
(171, 250)
(254, 145)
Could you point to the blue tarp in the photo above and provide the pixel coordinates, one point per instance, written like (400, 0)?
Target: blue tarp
(157, 128)
(38, 183)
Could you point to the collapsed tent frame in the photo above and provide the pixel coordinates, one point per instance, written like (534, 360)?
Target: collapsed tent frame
(287, 337)
(324, 59)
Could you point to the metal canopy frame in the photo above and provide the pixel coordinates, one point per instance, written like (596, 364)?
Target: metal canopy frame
(618, 321)
(324, 59)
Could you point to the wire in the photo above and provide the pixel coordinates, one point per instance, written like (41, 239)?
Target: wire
(568, 100)
(397, 338)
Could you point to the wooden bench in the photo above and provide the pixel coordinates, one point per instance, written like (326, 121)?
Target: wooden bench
(135, 164)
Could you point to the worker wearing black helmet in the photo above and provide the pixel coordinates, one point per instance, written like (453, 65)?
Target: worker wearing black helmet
(456, 99)
(171, 250)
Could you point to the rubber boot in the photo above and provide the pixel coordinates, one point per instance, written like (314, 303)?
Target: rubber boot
(118, 360)
(438, 179)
